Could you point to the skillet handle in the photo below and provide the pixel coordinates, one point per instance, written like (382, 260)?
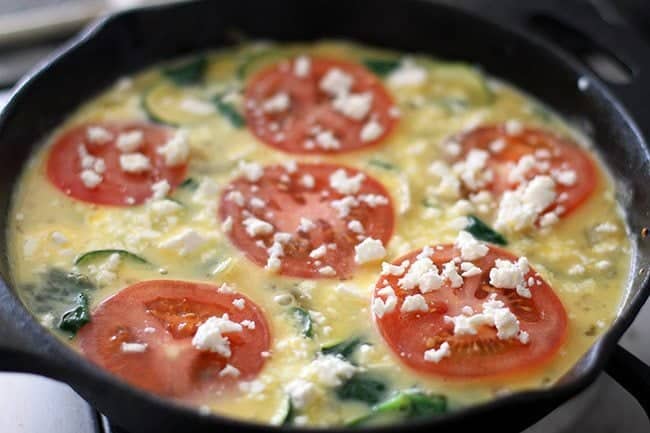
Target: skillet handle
(632, 374)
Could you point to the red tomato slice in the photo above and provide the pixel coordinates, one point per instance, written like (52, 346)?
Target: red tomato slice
(118, 188)
(286, 200)
(554, 152)
(165, 315)
(311, 109)
(484, 355)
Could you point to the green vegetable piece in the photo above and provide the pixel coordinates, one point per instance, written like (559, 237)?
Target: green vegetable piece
(482, 231)
(381, 67)
(362, 387)
(345, 348)
(90, 256)
(303, 318)
(428, 203)
(188, 73)
(405, 405)
(382, 164)
(230, 113)
(73, 320)
(189, 183)
(285, 414)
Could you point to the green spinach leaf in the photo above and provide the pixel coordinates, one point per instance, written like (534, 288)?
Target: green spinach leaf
(188, 73)
(345, 348)
(380, 163)
(381, 67)
(362, 387)
(482, 231)
(405, 405)
(74, 319)
(229, 112)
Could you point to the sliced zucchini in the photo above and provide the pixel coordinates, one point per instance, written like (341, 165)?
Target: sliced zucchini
(90, 256)
(174, 105)
(484, 232)
(285, 414)
(187, 73)
(464, 82)
(256, 60)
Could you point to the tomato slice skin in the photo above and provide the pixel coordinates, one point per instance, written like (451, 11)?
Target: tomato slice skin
(286, 203)
(564, 155)
(473, 357)
(311, 107)
(117, 187)
(164, 315)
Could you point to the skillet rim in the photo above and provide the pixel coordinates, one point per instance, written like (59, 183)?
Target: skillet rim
(599, 352)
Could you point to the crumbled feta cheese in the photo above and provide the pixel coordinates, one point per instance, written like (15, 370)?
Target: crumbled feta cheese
(131, 141)
(369, 250)
(257, 202)
(307, 181)
(252, 171)
(603, 264)
(450, 273)
(229, 370)
(518, 173)
(606, 227)
(371, 131)
(548, 219)
(374, 200)
(133, 347)
(449, 184)
(473, 170)
(343, 184)
(353, 105)
(390, 269)
(355, 226)
(511, 275)
(327, 140)
(276, 251)
(290, 165)
(306, 225)
(186, 241)
(520, 208)
(414, 303)
(135, 163)
(302, 66)
(470, 248)
(226, 226)
(196, 106)
(327, 271)
(277, 103)
(90, 179)
(407, 74)
(336, 82)
(497, 145)
(209, 335)
(319, 252)
(469, 269)
(165, 207)
(236, 197)
(257, 227)
(160, 189)
(513, 127)
(344, 205)
(331, 370)
(436, 355)
(565, 177)
(381, 307)
(494, 313)
(58, 238)
(239, 303)
(301, 392)
(577, 269)
(98, 135)
(176, 150)
(248, 324)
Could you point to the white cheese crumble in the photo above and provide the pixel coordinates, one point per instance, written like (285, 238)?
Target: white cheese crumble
(58, 238)
(469, 269)
(371, 131)
(196, 106)
(511, 275)
(344, 205)
(470, 248)
(331, 370)
(336, 82)
(90, 179)
(301, 392)
(327, 271)
(473, 170)
(252, 171)
(98, 135)
(209, 335)
(160, 189)
(133, 347)
(319, 252)
(407, 74)
(256, 227)
(307, 181)
(436, 355)
(383, 306)
(495, 314)
(422, 274)
(277, 103)
(128, 142)
(135, 163)
(186, 241)
(239, 303)
(302, 66)
(343, 184)
(235, 197)
(176, 150)
(229, 370)
(520, 209)
(306, 225)
(369, 250)
(414, 303)
(353, 105)
(395, 270)
(327, 140)
(355, 226)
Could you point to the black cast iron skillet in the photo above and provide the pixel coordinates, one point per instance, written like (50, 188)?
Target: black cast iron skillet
(618, 119)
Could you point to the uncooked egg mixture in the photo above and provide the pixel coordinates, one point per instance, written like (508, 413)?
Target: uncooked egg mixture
(320, 234)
